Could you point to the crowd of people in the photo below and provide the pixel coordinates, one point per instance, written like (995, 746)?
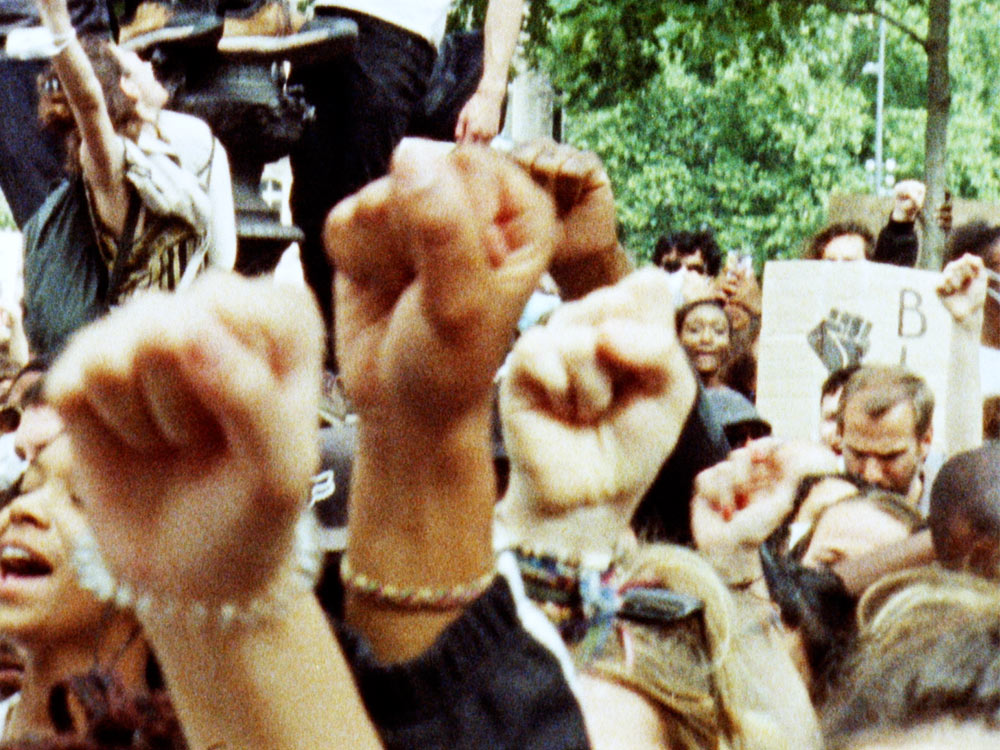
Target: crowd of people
(554, 516)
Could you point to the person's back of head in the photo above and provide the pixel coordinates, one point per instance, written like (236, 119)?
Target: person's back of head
(926, 653)
(965, 511)
(711, 670)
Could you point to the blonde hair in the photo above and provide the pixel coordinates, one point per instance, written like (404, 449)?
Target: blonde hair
(926, 652)
(701, 671)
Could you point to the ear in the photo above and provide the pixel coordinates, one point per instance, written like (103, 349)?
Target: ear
(925, 442)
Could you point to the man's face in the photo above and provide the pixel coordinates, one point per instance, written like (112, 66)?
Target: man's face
(694, 262)
(884, 451)
(845, 247)
(672, 261)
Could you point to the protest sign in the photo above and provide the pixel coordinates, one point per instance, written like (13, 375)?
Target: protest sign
(820, 315)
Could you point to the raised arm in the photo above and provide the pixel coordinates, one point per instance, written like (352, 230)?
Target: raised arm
(592, 405)
(434, 265)
(193, 420)
(587, 253)
(101, 151)
(479, 120)
(963, 292)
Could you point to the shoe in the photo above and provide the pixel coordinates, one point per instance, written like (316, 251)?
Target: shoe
(157, 22)
(268, 18)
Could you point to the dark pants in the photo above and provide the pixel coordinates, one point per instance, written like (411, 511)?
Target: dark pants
(363, 106)
(30, 158)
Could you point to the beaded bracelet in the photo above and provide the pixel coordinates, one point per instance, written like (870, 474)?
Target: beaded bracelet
(94, 576)
(422, 597)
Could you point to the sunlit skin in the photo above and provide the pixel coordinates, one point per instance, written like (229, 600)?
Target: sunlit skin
(885, 451)
(43, 520)
(848, 529)
(828, 434)
(618, 716)
(845, 247)
(739, 501)
(704, 335)
(822, 495)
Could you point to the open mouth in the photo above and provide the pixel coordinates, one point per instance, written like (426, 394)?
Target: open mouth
(22, 562)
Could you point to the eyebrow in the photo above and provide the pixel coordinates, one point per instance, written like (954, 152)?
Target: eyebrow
(878, 454)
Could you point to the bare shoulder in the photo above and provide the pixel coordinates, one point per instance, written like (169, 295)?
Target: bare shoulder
(620, 718)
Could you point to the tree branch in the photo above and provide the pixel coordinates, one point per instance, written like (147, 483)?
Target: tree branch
(870, 9)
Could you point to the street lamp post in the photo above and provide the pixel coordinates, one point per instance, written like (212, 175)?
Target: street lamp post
(879, 70)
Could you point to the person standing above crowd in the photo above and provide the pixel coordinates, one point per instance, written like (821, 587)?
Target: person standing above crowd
(30, 157)
(982, 239)
(364, 104)
(147, 204)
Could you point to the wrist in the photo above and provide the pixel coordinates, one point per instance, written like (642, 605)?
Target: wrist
(267, 595)
(492, 88)
(587, 530)
(422, 501)
(970, 324)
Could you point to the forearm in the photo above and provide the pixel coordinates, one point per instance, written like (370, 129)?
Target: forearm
(579, 276)
(503, 25)
(858, 573)
(422, 499)
(963, 399)
(281, 683)
(101, 150)
(222, 254)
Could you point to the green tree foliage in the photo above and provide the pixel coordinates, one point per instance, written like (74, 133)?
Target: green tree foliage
(753, 152)
(6, 218)
(745, 116)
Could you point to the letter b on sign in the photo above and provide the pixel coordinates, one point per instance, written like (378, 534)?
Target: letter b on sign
(912, 322)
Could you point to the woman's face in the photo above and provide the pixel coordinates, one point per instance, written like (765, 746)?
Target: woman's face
(705, 338)
(40, 599)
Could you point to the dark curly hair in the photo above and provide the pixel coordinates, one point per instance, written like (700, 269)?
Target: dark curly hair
(116, 718)
(976, 237)
(688, 243)
(819, 241)
(53, 106)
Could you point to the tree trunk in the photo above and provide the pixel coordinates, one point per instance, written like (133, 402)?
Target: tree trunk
(936, 134)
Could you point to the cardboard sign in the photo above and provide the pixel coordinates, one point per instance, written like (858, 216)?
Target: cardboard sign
(820, 315)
